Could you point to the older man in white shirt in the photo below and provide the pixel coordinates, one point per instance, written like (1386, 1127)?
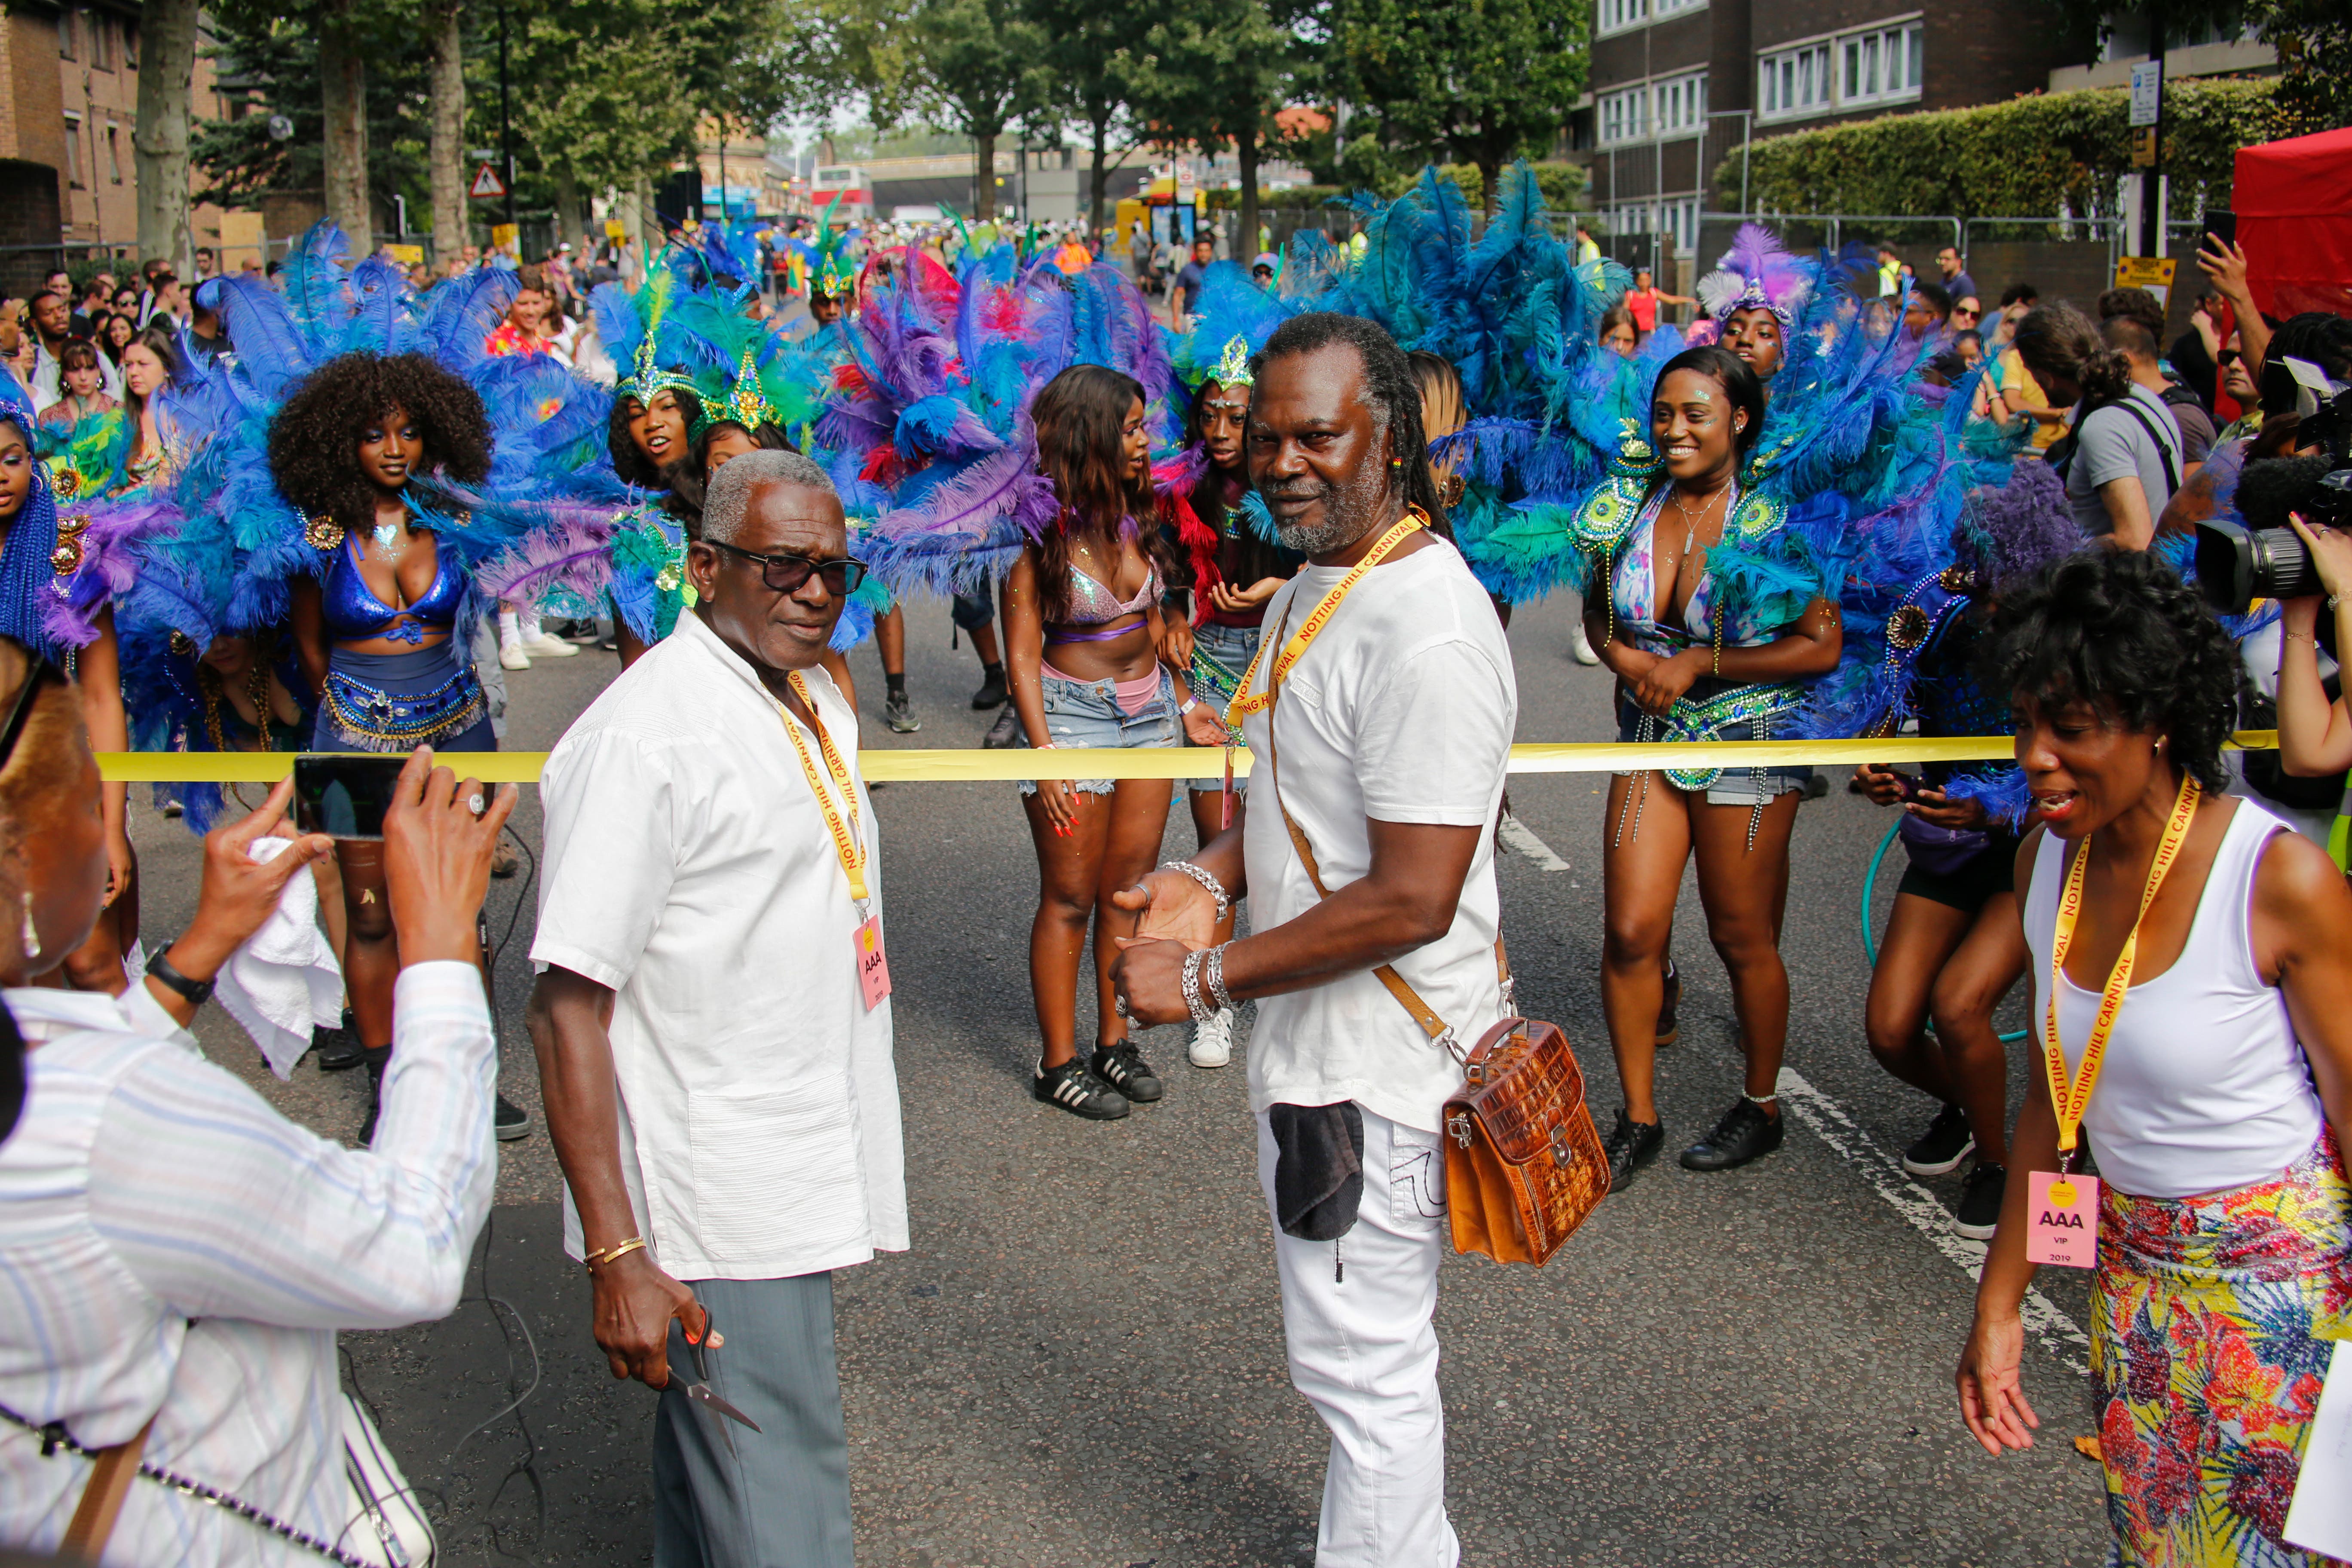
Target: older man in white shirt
(713, 1025)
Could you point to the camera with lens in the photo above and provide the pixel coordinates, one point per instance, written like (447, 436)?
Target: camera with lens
(2265, 557)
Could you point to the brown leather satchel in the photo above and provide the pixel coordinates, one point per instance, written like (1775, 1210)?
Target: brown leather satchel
(1522, 1160)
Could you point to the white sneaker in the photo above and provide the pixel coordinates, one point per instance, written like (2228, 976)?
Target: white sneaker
(511, 657)
(1581, 648)
(545, 647)
(1213, 1042)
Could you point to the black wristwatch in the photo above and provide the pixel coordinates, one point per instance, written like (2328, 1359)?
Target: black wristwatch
(195, 992)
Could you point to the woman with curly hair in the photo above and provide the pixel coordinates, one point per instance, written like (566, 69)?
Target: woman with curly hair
(378, 628)
(1083, 626)
(2192, 969)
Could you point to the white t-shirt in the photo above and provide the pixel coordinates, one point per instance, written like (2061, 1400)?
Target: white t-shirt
(688, 867)
(1403, 709)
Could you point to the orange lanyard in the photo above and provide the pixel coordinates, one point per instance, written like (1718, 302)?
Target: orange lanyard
(846, 843)
(1244, 704)
(2071, 1095)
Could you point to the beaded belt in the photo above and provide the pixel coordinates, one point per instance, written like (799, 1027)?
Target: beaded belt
(375, 719)
(1751, 708)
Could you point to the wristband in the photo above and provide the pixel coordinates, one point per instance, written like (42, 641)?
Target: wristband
(195, 992)
(1188, 704)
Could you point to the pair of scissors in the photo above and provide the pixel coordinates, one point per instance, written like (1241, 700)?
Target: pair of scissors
(697, 1351)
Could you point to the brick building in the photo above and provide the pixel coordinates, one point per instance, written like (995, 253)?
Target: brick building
(69, 108)
(1677, 85)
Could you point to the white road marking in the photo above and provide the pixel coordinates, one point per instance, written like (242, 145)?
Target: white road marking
(1886, 1175)
(1522, 837)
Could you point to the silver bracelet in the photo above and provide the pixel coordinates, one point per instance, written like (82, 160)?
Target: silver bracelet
(1209, 883)
(1213, 971)
(1193, 1003)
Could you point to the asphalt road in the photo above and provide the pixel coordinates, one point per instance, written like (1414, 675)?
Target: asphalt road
(1080, 1361)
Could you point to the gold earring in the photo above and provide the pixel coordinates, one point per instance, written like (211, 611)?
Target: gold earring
(32, 931)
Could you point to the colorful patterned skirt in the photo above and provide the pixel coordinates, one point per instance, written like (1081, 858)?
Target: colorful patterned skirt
(2210, 1323)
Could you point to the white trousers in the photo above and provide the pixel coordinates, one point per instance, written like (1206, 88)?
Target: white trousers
(1357, 1321)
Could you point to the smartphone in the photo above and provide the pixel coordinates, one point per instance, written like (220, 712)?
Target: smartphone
(2223, 226)
(1909, 785)
(343, 794)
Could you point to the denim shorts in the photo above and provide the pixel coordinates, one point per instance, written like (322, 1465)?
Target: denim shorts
(1086, 713)
(1736, 786)
(1220, 657)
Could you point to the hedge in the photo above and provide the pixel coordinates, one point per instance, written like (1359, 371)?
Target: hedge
(2043, 153)
(1563, 187)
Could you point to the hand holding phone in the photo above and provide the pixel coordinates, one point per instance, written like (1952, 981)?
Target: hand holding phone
(439, 832)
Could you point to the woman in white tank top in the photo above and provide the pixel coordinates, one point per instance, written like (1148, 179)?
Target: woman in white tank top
(2224, 1229)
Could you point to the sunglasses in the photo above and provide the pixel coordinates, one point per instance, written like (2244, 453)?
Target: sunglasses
(21, 709)
(785, 573)
(1964, 310)
(2226, 358)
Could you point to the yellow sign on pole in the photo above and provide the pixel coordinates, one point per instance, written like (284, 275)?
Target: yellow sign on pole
(2143, 146)
(2145, 271)
(503, 235)
(614, 229)
(406, 255)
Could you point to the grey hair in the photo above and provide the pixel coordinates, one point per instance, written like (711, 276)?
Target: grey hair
(729, 496)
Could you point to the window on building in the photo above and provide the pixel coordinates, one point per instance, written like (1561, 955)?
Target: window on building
(102, 41)
(114, 152)
(131, 45)
(1613, 16)
(1681, 105)
(1793, 81)
(73, 153)
(68, 25)
(1625, 115)
(1881, 66)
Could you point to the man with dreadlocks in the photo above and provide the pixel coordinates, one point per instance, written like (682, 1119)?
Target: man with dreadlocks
(1358, 854)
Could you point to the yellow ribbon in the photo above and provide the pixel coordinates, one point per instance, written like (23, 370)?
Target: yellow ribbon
(916, 766)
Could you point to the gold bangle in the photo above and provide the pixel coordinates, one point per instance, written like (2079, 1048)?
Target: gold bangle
(609, 1254)
(2300, 636)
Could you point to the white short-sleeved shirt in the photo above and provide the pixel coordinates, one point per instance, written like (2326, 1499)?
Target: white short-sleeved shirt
(1402, 709)
(688, 868)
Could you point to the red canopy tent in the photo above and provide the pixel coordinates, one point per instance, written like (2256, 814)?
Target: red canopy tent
(2294, 201)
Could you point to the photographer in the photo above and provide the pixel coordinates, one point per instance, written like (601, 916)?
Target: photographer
(2315, 730)
(180, 1256)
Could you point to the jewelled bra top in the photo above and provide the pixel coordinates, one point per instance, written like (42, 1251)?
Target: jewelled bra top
(1094, 607)
(355, 614)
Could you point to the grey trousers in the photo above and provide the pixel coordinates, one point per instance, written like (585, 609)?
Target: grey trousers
(781, 1498)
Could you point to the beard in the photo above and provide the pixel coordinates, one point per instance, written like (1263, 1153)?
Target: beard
(1349, 514)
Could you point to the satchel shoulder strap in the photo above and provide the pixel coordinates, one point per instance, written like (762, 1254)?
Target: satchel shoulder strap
(1439, 1032)
(111, 1475)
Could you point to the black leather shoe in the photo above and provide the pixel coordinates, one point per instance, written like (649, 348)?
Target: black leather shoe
(991, 693)
(509, 1120)
(1670, 1027)
(1745, 1132)
(1123, 1068)
(339, 1049)
(1632, 1145)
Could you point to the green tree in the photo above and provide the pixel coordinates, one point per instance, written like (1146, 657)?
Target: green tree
(1211, 74)
(1090, 69)
(979, 65)
(2313, 40)
(1476, 81)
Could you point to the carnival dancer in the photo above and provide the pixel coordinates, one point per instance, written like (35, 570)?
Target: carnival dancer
(380, 629)
(1913, 624)
(1358, 856)
(1706, 640)
(1236, 571)
(57, 573)
(2192, 1016)
(1083, 616)
(1755, 298)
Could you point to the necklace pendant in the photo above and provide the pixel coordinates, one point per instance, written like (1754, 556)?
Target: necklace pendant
(387, 534)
